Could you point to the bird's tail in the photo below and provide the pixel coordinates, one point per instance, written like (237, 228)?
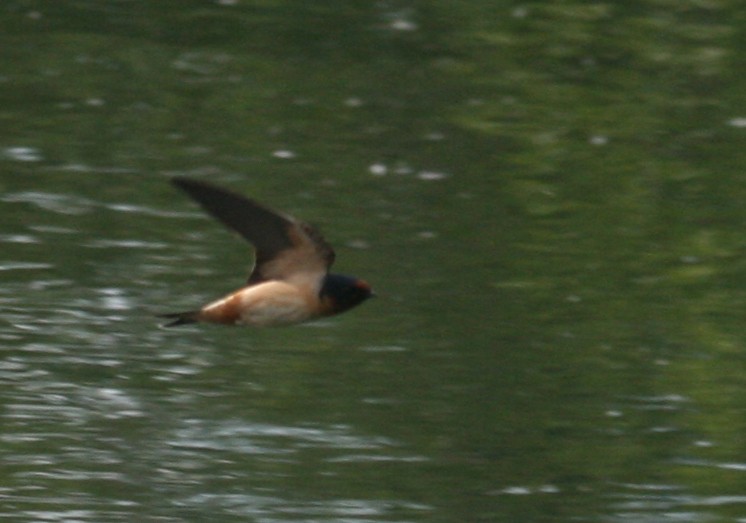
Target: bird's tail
(180, 318)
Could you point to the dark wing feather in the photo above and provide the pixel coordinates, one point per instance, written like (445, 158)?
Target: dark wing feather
(284, 246)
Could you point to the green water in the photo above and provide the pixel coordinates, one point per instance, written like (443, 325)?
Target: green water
(548, 198)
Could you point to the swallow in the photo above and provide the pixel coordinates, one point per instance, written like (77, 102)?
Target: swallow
(290, 281)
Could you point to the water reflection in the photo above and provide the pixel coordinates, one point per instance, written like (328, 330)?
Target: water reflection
(268, 453)
(650, 502)
(549, 198)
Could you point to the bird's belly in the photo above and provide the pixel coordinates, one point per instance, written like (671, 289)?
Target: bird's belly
(275, 311)
(264, 305)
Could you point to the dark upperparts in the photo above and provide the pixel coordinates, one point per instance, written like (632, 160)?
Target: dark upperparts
(344, 292)
(283, 244)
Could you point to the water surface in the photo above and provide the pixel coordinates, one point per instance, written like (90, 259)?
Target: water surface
(548, 199)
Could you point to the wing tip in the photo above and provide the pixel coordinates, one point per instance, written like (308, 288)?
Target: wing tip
(186, 183)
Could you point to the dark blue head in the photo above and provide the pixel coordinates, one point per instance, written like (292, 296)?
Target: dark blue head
(341, 293)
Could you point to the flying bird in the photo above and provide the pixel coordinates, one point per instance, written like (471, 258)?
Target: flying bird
(290, 281)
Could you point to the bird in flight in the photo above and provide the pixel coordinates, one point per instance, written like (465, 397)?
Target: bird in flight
(290, 281)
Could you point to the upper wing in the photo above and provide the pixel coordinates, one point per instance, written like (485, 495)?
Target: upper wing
(284, 246)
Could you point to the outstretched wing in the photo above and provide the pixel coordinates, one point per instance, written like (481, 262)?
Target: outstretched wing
(285, 247)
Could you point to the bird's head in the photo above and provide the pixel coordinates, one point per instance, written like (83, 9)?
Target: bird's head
(341, 293)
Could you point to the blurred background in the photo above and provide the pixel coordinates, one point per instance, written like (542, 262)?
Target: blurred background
(548, 198)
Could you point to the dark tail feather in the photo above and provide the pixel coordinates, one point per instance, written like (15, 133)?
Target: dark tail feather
(179, 318)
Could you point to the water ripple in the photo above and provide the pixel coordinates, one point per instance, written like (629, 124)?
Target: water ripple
(58, 203)
(243, 437)
(18, 238)
(24, 266)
